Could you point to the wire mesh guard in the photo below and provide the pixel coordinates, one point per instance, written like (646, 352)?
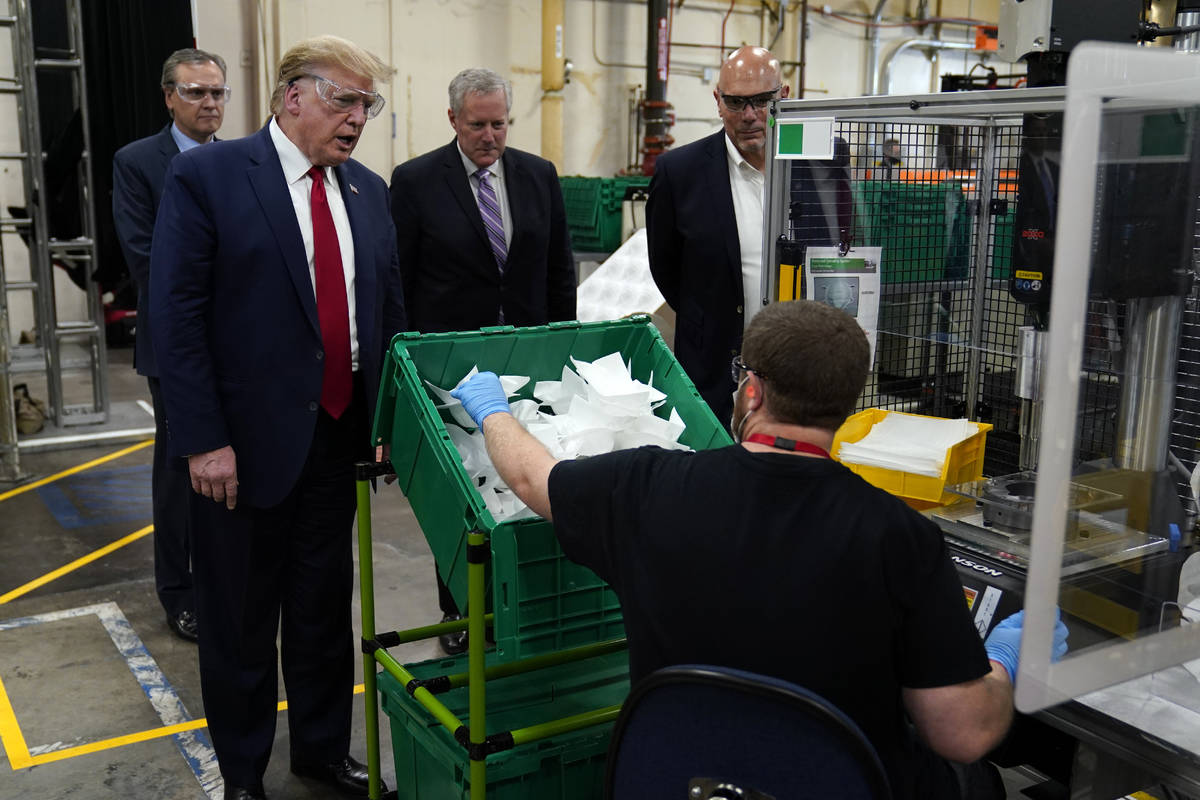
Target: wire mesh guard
(940, 199)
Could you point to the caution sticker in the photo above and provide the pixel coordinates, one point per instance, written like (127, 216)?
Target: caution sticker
(1029, 276)
(987, 609)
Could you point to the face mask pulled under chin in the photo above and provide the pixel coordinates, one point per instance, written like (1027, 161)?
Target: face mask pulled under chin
(735, 425)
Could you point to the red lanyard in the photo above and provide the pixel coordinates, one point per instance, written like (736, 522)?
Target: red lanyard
(787, 444)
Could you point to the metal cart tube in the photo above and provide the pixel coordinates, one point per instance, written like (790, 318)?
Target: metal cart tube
(473, 734)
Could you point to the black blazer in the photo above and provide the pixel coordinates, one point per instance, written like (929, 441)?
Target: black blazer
(138, 171)
(235, 315)
(451, 281)
(695, 258)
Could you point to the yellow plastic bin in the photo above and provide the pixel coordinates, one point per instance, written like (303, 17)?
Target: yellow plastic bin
(964, 462)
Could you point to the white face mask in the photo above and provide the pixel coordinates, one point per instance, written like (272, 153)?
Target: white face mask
(735, 425)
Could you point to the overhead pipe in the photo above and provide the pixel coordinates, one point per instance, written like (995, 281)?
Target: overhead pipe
(802, 47)
(554, 78)
(781, 9)
(885, 68)
(656, 111)
(869, 84)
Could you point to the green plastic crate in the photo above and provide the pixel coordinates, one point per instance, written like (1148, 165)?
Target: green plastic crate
(593, 208)
(430, 764)
(1002, 247)
(924, 229)
(542, 601)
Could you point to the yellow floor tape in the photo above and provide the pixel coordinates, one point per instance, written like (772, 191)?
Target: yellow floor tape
(103, 459)
(19, 756)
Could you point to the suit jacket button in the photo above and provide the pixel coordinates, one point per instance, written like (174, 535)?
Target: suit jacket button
(320, 354)
(740, 309)
(312, 406)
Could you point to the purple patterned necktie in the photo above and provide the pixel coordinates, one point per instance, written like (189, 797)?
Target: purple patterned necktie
(489, 209)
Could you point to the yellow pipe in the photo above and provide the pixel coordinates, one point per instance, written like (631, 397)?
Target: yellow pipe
(554, 78)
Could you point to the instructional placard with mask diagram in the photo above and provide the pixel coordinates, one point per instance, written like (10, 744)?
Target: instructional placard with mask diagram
(849, 282)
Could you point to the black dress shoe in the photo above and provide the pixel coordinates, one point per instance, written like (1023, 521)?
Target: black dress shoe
(238, 793)
(346, 775)
(454, 643)
(183, 625)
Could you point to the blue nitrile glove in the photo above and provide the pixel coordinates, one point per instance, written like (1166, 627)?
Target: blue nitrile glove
(481, 397)
(1003, 644)
(1060, 637)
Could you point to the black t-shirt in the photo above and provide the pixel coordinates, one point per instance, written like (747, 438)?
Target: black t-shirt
(778, 564)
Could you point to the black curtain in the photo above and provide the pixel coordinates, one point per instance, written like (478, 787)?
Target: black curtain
(125, 43)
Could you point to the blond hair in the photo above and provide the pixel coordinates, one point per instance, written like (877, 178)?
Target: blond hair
(303, 57)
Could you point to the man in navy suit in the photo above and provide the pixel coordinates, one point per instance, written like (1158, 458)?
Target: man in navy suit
(482, 234)
(194, 90)
(274, 294)
(704, 225)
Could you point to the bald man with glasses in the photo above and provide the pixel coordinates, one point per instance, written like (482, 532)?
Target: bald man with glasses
(704, 223)
(195, 93)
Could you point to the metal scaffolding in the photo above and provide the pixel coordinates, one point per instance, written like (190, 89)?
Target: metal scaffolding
(60, 345)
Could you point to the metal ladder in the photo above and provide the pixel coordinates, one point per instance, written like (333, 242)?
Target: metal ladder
(61, 345)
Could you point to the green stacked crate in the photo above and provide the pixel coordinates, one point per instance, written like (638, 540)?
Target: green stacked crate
(924, 229)
(594, 210)
(1002, 247)
(431, 764)
(542, 601)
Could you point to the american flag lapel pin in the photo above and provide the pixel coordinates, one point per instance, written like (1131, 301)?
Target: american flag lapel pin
(353, 189)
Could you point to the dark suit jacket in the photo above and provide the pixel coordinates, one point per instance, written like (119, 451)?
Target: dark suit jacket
(235, 315)
(695, 253)
(138, 171)
(695, 258)
(451, 281)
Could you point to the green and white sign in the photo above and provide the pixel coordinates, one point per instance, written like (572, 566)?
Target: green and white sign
(810, 138)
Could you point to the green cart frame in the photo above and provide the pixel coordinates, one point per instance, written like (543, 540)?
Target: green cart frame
(472, 735)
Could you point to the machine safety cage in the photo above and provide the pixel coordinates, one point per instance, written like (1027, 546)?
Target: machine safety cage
(1027, 263)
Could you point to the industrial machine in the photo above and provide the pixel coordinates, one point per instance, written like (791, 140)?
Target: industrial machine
(966, 322)
(1125, 524)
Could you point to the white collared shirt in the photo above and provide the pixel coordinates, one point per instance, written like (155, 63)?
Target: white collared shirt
(496, 179)
(295, 171)
(747, 185)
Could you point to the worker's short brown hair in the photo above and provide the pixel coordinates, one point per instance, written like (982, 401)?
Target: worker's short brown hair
(813, 360)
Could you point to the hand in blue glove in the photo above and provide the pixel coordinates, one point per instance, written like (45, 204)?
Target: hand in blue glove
(1003, 644)
(482, 396)
(1060, 637)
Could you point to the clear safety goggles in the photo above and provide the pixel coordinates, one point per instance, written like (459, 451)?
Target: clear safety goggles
(197, 92)
(343, 100)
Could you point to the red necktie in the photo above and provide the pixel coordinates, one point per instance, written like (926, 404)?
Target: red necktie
(332, 307)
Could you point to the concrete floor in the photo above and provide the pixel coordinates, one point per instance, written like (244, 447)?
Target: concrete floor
(88, 667)
(69, 647)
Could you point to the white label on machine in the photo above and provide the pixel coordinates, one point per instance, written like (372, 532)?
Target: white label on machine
(987, 609)
(809, 139)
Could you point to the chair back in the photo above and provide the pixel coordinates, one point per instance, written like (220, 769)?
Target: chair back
(699, 732)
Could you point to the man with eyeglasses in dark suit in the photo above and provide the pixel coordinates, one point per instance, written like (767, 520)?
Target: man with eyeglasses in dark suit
(704, 224)
(195, 93)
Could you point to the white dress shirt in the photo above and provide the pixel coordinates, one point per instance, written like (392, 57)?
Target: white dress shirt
(295, 171)
(496, 179)
(747, 185)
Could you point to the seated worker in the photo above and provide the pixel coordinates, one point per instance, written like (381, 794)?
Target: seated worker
(768, 556)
